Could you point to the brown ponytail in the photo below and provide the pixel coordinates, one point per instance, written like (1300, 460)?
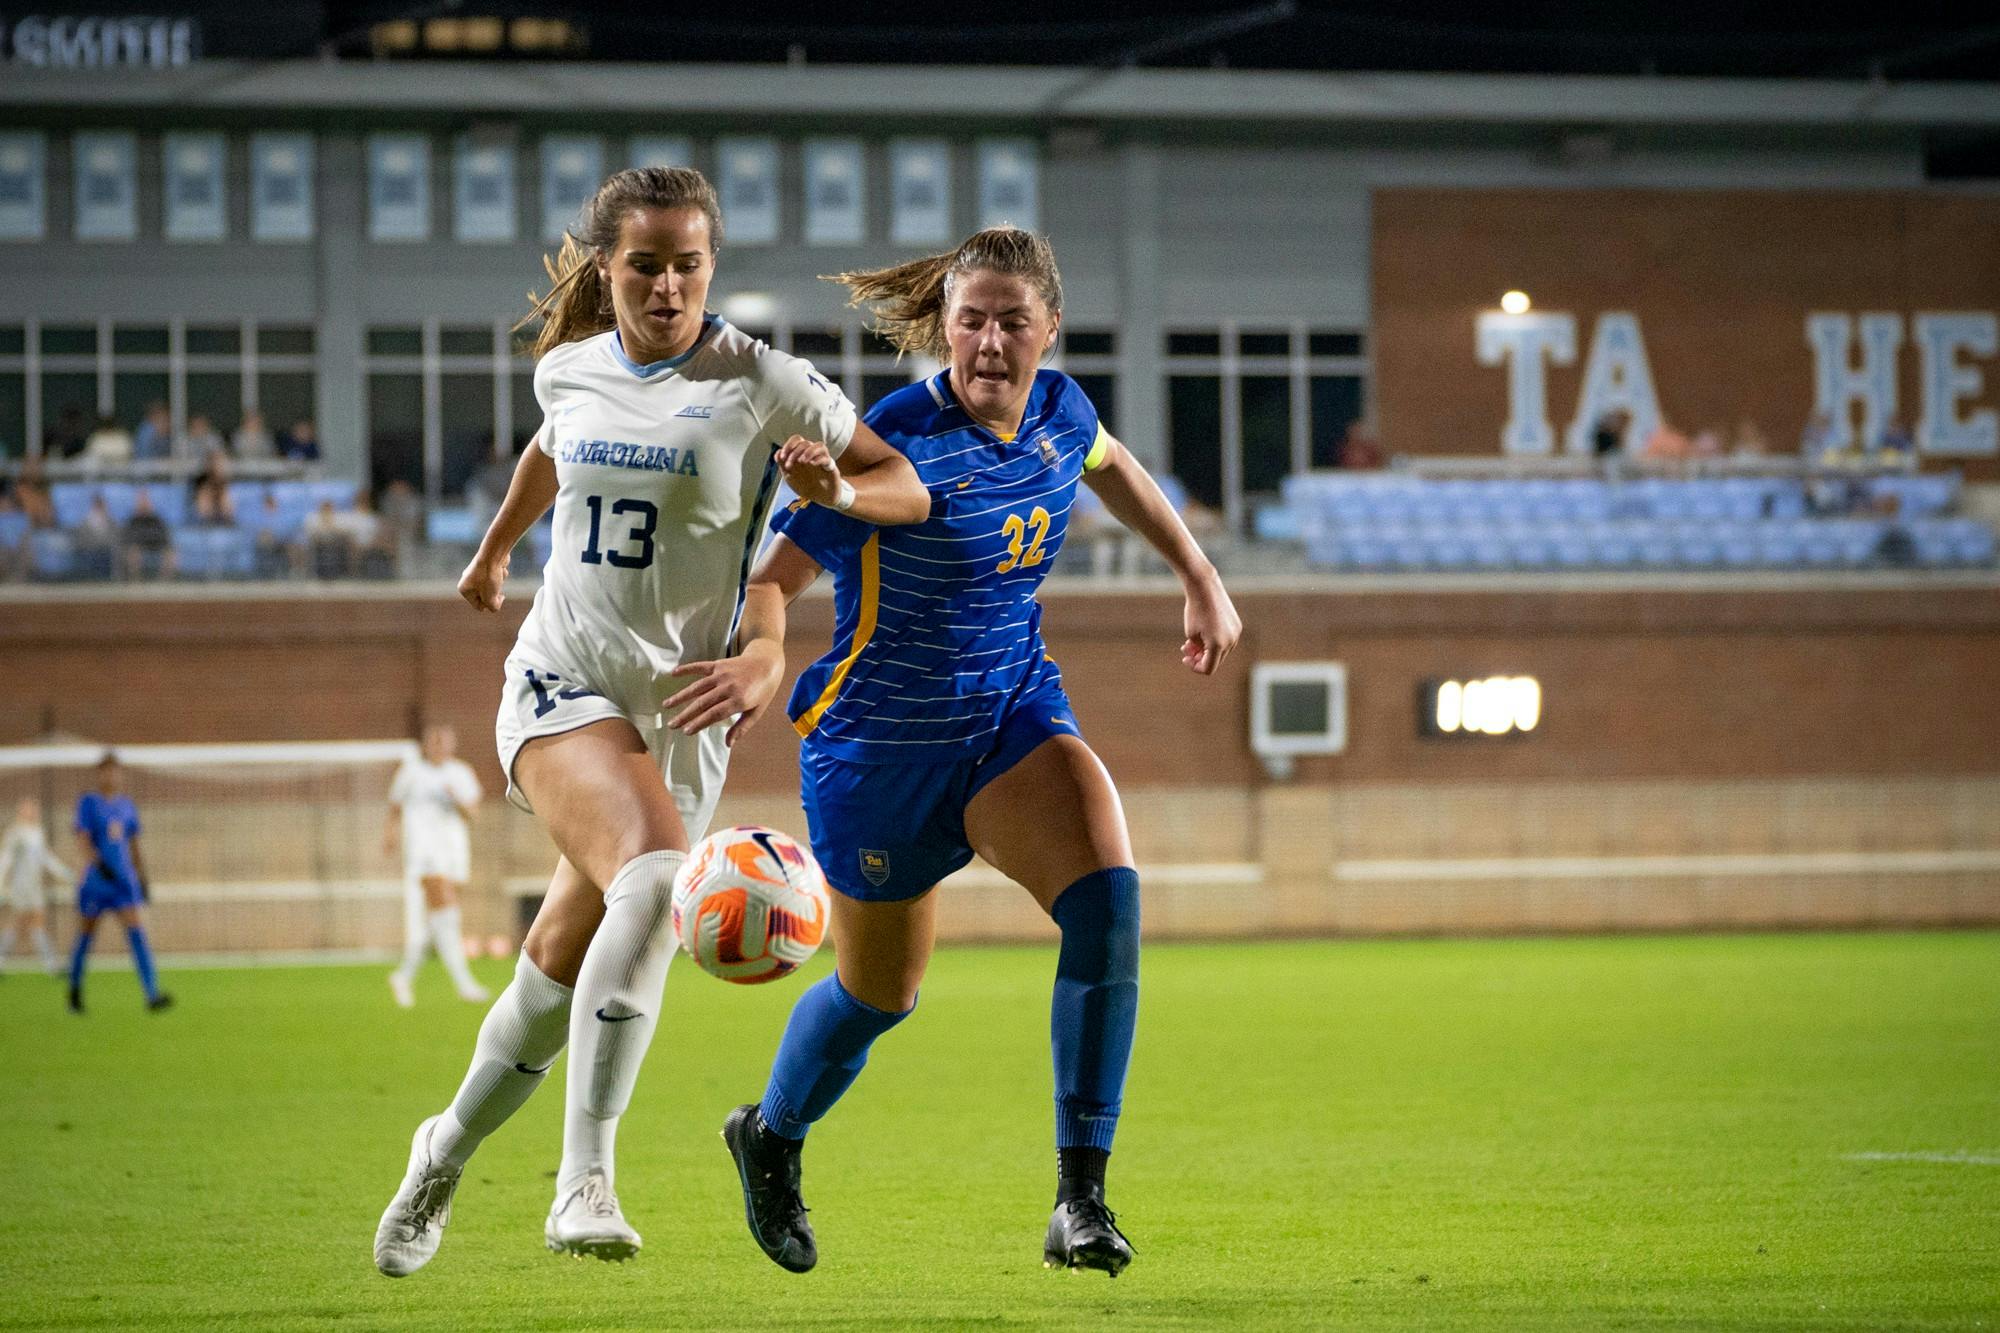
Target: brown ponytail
(578, 304)
(909, 300)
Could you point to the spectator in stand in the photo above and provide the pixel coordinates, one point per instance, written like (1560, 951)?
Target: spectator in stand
(109, 443)
(277, 555)
(1361, 448)
(1607, 437)
(203, 439)
(94, 542)
(402, 512)
(343, 542)
(253, 438)
(1668, 444)
(155, 438)
(65, 438)
(1750, 441)
(301, 442)
(31, 493)
(214, 472)
(1897, 445)
(212, 506)
(149, 544)
(489, 484)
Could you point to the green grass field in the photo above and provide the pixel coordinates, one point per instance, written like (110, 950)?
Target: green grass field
(1587, 1134)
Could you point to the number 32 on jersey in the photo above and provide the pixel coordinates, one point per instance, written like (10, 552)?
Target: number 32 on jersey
(1015, 530)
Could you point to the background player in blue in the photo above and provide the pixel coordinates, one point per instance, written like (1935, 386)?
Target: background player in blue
(114, 879)
(937, 726)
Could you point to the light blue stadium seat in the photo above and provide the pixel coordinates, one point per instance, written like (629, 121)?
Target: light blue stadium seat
(171, 501)
(1859, 539)
(1740, 549)
(1490, 550)
(460, 528)
(1972, 542)
(71, 500)
(13, 529)
(1530, 549)
(1270, 523)
(1655, 542)
(1612, 545)
(246, 497)
(1573, 549)
(1170, 486)
(50, 555)
(1780, 544)
(342, 493)
(1960, 541)
(1697, 545)
(1449, 549)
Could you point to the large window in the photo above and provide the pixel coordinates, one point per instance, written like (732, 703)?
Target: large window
(58, 378)
(1249, 405)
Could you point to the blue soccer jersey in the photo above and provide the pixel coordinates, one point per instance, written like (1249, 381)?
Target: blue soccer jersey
(936, 626)
(110, 822)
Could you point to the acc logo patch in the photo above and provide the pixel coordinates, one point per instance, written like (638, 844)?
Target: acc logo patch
(875, 867)
(1048, 453)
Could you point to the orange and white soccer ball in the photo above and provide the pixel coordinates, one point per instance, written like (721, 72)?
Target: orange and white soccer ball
(750, 904)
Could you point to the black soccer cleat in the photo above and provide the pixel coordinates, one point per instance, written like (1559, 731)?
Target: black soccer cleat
(1083, 1233)
(767, 1164)
(160, 1001)
(76, 999)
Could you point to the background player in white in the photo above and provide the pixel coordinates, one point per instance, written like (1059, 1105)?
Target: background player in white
(664, 433)
(27, 868)
(432, 799)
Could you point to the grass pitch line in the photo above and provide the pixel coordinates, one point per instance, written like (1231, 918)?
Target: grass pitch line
(1957, 1158)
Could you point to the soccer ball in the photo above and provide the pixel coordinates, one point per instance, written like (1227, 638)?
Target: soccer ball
(750, 904)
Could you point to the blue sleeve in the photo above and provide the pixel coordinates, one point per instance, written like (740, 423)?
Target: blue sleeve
(132, 809)
(827, 535)
(86, 815)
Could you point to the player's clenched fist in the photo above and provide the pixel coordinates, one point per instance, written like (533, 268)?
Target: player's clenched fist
(810, 470)
(482, 581)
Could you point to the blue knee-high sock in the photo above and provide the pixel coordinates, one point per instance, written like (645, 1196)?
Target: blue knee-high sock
(142, 959)
(1096, 1004)
(78, 952)
(826, 1043)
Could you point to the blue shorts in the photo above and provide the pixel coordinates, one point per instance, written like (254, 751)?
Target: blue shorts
(886, 832)
(100, 893)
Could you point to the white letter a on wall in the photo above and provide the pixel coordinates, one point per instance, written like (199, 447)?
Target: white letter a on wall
(1616, 377)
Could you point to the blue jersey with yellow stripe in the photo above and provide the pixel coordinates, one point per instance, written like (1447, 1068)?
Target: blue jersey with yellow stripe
(936, 627)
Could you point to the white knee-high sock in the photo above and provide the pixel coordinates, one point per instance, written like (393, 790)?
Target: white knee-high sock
(450, 945)
(416, 932)
(617, 1007)
(46, 949)
(523, 1034)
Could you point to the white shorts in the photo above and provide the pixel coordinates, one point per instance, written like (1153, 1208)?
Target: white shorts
(24, 897)
(548, 704)
(443, 853)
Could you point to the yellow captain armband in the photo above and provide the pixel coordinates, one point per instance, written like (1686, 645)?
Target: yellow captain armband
(1100, 448)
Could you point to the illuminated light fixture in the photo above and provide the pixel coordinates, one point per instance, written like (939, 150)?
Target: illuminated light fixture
(749, 308)
(1515, 303)
(1493, 706)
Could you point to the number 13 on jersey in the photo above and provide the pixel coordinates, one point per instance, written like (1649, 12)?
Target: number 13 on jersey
(1015, 530)
(648, 515)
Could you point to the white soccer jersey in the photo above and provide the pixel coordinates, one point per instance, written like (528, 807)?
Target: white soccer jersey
(666, 477)
(25, 859)
(429, 795)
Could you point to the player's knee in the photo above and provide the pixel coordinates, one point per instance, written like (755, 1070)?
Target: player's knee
(556, 948)
(1099, 919)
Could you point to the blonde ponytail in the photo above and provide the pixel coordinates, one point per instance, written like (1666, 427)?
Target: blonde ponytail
(909, 300)
(577, 304)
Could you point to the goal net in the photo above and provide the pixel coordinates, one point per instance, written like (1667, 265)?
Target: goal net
(250, 849)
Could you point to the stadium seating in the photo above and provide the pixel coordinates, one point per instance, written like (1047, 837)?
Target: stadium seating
(1389, 522)
(255, 546)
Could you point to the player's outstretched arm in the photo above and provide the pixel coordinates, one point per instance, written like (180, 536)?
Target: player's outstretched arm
(871, 481)
(744, 685)
(529, 496)
(1135, 499)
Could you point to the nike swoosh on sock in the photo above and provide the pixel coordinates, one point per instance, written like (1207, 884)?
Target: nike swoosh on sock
(617, 1018)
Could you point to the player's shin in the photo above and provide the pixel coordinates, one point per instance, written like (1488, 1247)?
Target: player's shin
(618, 995)
(142, 961)
(448, 938)
(1091, 1020)
(523, 1034)
(825, 1045)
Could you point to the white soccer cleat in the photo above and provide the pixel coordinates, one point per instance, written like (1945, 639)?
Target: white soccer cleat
(399, 986)
(589, 1222)
(414, 1222)
(475, 994)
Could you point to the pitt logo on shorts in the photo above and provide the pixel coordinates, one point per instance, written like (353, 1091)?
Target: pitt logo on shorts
(875, 867)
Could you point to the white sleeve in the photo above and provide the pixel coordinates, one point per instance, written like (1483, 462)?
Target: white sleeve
(795, 399)
(468, 784)
(544, 393)
(399, 788)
